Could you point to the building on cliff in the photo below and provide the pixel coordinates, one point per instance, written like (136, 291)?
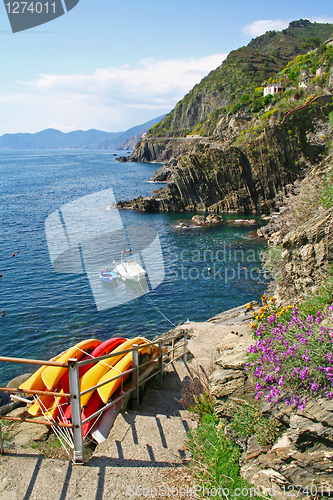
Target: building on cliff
(273, 89)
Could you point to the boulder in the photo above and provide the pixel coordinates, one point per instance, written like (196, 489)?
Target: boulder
(226, 382)
(17, 381)
(214, 219)
(199, 220)
(284, 448)
(233, 360)
(24, 433)
(302, 428)
(253, 449)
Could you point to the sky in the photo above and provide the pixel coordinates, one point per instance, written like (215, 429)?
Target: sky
(111, 65)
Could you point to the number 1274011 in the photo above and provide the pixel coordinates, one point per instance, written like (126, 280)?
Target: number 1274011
(31, 7)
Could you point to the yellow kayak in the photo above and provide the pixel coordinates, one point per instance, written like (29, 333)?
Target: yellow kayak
(92, 376)
(124, 364)
(49, 405)
(35, 381)
(52, 374)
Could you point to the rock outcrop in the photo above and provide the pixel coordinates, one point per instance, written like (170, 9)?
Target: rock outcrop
(303, 256)
(301, 459)
(243, 179)
(300, 237)
(163, 150)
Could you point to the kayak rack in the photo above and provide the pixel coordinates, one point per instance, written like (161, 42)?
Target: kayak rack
(74, 394)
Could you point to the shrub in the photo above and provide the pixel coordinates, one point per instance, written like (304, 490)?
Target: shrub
(269, 113)
(248, 421)
(196, 393)
(236, 107)
(293, 355)
(327, 192)
(245, 98)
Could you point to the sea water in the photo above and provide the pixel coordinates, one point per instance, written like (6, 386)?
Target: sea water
(47, 311)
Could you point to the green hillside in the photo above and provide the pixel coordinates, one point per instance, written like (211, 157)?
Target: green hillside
(233, 83)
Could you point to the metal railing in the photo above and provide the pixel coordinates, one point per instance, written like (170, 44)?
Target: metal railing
(74, 394)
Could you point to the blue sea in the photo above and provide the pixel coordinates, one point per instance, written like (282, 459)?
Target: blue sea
(48, 311)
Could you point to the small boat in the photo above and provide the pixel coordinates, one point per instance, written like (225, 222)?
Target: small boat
(129, 269)
(108, 276)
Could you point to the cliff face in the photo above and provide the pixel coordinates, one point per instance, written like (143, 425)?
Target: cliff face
(228, 88)
(243, 179)
(244, 148)
(300, 237)
(164, 150)
(304, 255)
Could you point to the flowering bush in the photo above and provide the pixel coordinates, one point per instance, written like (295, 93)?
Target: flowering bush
(293, 356)
(269, 309)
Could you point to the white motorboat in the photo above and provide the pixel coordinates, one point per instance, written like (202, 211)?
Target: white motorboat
(129, 269)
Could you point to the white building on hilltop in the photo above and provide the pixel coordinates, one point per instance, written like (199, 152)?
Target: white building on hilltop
(273, 89)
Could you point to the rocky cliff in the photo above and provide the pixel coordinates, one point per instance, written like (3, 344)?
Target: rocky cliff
(300, 237)
(246, 178)
(229, 148)
(228, 88)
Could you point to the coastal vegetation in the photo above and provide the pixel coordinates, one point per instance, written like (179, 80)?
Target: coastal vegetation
(215, 460)
(237, 83)
(216, 445)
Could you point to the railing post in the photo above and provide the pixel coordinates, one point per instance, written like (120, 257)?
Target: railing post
(160, 362)
(74, 385)
(185, 348)
(173, 349)
(135, 375)
(2, 451)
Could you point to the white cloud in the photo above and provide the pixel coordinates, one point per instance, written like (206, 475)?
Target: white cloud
(322, 19)
(112, 98)
(152, 83)
(257, 28)
(260, 27)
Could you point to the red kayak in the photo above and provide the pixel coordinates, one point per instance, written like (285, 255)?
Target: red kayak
(105, 348)
(95, 403)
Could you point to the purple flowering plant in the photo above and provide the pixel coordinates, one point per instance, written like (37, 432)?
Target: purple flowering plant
(293, 355)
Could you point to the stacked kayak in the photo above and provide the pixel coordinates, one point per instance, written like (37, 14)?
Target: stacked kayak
(55, 379)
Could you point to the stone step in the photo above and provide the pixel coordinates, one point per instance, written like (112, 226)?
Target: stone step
(144, 438)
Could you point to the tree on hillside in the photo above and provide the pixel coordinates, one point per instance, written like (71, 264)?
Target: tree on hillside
(311, 43)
